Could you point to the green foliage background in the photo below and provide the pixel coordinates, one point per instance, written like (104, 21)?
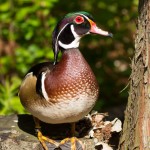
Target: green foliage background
(25, 39)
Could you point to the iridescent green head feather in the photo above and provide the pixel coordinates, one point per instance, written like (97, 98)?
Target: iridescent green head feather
(79, 12)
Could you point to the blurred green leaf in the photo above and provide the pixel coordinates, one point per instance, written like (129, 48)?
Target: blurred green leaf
(9, 101)
(5, 6)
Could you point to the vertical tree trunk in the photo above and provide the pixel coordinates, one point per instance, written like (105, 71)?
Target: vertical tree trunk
(136, 128)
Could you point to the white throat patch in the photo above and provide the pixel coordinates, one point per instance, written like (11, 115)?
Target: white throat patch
(73, 44)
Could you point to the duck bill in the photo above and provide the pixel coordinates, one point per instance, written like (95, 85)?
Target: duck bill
(95, 30)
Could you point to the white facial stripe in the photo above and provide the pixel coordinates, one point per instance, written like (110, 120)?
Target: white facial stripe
(73, 32)
(59, 34)
(43, 87)
(73, 44)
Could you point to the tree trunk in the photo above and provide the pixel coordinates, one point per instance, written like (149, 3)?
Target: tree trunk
(136, 128)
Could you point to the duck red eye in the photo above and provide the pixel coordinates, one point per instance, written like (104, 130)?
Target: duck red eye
(79, 19)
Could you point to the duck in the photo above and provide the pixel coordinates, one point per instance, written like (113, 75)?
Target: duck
(66, 90)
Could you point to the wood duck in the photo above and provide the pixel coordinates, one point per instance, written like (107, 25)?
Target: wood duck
(64, 91)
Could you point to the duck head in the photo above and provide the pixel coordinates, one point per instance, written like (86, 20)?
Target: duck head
(71, 28)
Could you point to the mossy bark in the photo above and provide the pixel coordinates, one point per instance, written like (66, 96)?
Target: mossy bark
(136, 128)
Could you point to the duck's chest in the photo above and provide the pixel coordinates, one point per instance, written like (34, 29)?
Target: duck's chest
(70, 78)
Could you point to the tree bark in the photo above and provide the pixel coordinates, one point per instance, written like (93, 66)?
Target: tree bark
(136, 128)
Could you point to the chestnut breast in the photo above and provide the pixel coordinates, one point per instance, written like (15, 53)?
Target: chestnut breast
(71, 77)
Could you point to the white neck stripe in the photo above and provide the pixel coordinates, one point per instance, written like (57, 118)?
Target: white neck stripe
(73, 32)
